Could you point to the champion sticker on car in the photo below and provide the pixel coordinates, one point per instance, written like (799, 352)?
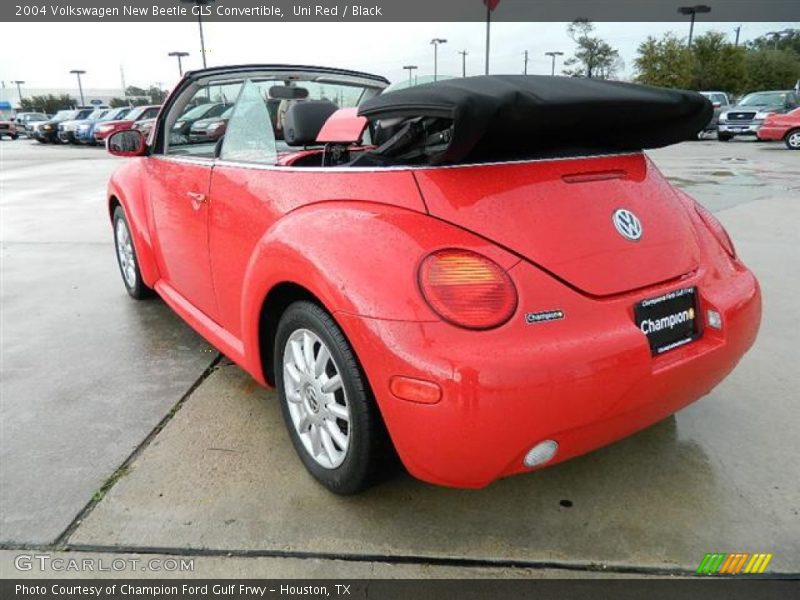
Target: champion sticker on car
(669, 321)
(543, 316)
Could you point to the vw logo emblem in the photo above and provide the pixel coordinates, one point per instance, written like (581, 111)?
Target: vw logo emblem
(627, 224)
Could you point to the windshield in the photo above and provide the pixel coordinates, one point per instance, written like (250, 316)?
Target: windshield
(36, 117)
(765, 99)
(136, 113)
(63, 115)
(115, 114)
(97, 114)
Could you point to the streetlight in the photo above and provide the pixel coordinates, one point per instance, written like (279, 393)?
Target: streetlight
(693, 10)
(436, 42)
(553, 56)
(200, 4)
(463, 54)
(179, 56)
(78, 73)
(410, 69)
(19, 89)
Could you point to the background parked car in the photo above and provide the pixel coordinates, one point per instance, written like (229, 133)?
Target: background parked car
(750, 112)
(145, 126)
(84, 133)
(67, 129)
(721, 103)
(183, 125)
(784, 127)
(210, 129)
(140, 113)
(8, 128)
(47, 132)
(23, 120)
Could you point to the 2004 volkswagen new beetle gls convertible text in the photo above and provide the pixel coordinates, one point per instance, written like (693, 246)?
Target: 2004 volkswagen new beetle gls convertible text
(482, 276)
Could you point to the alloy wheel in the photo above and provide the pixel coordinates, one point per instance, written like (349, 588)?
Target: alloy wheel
(794, 140)
(316, 398)
(127, 259)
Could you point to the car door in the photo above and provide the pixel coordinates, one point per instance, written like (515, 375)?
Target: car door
(179, 189)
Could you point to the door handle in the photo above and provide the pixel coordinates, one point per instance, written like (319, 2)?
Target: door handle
(197, 199)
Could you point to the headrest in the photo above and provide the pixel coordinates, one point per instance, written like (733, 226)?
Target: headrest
(304, 121)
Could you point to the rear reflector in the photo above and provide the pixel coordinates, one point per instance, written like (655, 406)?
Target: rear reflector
(415, 390)
(541, 453)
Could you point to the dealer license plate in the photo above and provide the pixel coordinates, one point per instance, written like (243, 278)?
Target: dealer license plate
(668, 321)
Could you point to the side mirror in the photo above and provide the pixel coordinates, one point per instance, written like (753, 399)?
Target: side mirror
(127, 143)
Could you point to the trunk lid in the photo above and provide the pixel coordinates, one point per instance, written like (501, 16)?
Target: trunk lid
(559, 215)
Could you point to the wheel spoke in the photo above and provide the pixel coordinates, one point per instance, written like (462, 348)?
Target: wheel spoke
(332, 384)
(297, 355)
(327, 444)
(332, 429)
(315, 441)
(339, 411)
(305, 421)
(292, 372)
(308, 351)
(322, 359)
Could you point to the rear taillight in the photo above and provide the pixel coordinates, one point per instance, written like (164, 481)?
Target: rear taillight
(716, 228)
(467, 289)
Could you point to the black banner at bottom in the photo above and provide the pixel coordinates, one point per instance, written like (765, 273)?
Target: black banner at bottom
(541, 589)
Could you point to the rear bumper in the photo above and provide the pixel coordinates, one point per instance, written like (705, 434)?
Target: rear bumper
(585, 381)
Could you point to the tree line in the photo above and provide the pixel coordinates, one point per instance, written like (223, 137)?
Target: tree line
(51, 103)
(712, 62)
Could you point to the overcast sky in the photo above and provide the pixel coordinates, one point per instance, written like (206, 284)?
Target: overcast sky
(42, 54)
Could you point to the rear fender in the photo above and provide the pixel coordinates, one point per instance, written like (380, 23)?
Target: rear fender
(356, 258)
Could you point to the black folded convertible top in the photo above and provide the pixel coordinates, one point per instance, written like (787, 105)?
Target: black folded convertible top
(502, 117)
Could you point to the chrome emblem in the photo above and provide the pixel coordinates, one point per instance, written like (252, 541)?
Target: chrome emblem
(627, 224)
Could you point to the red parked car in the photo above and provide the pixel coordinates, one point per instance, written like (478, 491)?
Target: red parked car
(484, 276)
(140, 113)
(784, 127)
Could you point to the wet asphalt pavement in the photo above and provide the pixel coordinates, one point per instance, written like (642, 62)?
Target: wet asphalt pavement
(93, 460)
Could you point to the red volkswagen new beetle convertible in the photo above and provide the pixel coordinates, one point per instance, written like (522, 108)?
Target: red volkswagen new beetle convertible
(484, 276)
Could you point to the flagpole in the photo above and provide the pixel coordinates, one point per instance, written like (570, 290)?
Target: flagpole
(488, 27)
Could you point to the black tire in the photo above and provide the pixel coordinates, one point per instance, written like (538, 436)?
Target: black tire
(724, 137)
(15, 137)
(136, 287)
(369, 455)
(41, 140)
(792, 139)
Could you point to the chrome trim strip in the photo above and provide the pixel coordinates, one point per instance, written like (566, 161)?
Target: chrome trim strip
(256, 166)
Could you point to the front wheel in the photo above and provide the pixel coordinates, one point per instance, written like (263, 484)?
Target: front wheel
(126, 257)
(792, 139)
(332, 418)
(724, 137)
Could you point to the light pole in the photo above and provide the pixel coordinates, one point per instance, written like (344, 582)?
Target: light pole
(553, 56)
(463, 54)
(200, 4)
(410, 69)
(19, 88)
(179, 56)
(693, 11)
(525, 63)
(78, 73)
(436, 42)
